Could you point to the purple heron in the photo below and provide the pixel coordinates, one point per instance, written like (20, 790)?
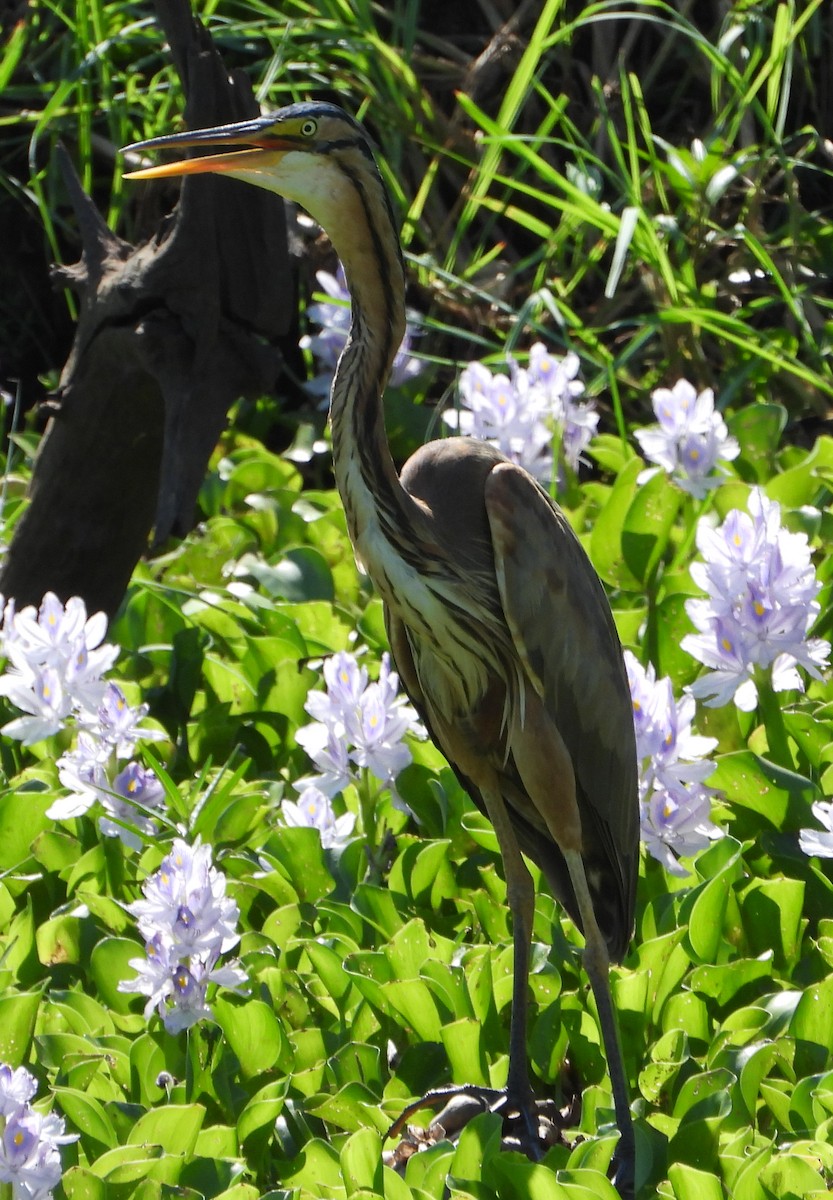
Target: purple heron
(499, 626)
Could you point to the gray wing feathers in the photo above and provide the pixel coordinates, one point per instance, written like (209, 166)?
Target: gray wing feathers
(563, 631)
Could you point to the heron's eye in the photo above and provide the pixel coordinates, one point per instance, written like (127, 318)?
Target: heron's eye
(309, 128)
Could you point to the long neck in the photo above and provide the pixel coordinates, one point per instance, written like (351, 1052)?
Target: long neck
(365, 475)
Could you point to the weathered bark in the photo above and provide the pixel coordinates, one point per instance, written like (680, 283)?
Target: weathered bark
(170, 334)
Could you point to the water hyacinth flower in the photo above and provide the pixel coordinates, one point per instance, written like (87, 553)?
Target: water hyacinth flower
(690, 441)
(675, 804)
(17, 1087)
(357, 724)
(91, 775)
(333, 316)
(40, 692)
(57, 658)
(187, 922)
(815, 841)
(30, 1157)
(761, 603)
(118, 725)
(521, 413)
(314, 810)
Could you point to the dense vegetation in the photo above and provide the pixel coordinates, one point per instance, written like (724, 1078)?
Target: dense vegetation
(648, 195)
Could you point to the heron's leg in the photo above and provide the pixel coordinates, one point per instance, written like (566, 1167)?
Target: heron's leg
(597, 965)
(516, 1102)
(520, 896)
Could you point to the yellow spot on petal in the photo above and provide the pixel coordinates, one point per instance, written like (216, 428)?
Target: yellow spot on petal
(726, 644)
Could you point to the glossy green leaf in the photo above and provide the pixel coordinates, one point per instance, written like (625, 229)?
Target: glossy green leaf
(109, 965)
(647, 525)
(174, 1127)
(18, 1014)
(87, 1116)
(361, 1162)
(791, 1177)
(690, 1184)
(606, 548)
(254, 1034)
(79, 1183)
(812, 1026)
(263, 1109)
(777, 795)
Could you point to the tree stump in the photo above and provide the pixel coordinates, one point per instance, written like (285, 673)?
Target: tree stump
(171, 333)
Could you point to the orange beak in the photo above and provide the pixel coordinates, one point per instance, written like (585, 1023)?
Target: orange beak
(264, 149)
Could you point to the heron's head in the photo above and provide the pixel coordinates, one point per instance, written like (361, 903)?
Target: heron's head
(313, 153)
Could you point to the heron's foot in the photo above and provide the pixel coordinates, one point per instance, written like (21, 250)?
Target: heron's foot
(531, 1126)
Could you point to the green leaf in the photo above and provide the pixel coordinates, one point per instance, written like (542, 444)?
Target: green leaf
(127, 1164)
(781, 797)
(54, 850)
(78, 1183)
(758, 1062)
(59, 941)
(606, 550)
(773, 918)
(704, 916)
(254, 1034)
(300, 855)
(317, 1167)
(218, 1141)
(329, 968)
(87, 1116)
(791, 1177)
(426, 1173)
(300, 574)
(721, 983)
(647, 525)
(109, 965)
(477, 1144)
(263, 1109)
(18, 945)
(147, 1061)
(408, 949)
(18, 1014)
(174, 1127)
(412, 999)
(353, 1107)
(690, 1184)
(812, 1026)
(464, 1045)
(361, 1162)
(758, 428)
(377, 906)
(704, 1095)
(517, 1179)
(22, 819)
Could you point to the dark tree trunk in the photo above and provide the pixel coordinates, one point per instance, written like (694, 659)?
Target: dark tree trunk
(170, 334)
